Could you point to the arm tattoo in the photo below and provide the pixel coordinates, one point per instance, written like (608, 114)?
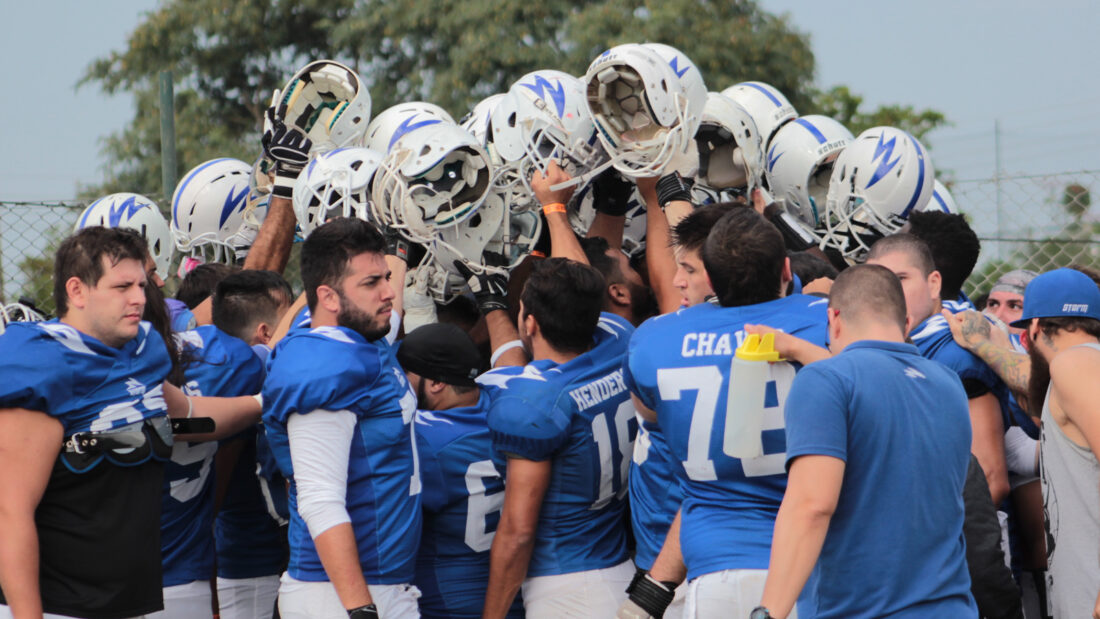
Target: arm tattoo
(1014, 368)
(975, 328)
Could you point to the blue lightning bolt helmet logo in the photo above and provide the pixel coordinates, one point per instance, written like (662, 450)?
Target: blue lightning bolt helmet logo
(543, 87)
(408, 125)
(884, 149)
(675, 64)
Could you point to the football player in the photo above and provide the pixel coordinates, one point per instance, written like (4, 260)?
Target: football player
(250, 529)
(910, 259)
(218, 361)
(678, 370)
(338, 414)
(462, 490)
(562, 429)
(84, 436)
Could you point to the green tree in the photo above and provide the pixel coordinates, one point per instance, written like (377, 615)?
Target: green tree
(228, 56)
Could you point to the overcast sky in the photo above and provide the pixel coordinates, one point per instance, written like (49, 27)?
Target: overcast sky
(1030, 66)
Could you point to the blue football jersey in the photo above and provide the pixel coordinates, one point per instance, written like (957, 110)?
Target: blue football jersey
(87, 385)
(679, 366)
(655, 494)
(462, 496)
(335, 369)
(933, 338)
(217, 364)
(579, 416)
(248, 535)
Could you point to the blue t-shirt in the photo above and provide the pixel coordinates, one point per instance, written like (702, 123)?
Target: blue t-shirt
(216, 364)
(335, 369)
(901, 424)
(679, 367)
(87, 385)
(579, 416)
(462, 496)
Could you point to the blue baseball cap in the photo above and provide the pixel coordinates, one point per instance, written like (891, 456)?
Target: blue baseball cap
(1060, 293)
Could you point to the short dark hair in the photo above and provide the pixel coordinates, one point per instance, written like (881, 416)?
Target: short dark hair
(809, 267)
(81, 256)
(245, 298)
(1071, 324)
(200, 283)
(327, 251)
(869, 292)
(910, 245)
(954, 246)
(744, 257)
(565, 298)
(595, 249)
(691, 232)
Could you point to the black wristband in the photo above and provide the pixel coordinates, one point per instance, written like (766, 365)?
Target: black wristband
(672, 187)
(652, 597)
(370, 611)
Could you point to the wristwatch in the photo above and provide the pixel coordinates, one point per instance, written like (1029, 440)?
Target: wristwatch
(760, 613)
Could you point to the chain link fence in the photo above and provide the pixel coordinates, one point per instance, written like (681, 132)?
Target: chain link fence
(1032, 222)
(30, 233)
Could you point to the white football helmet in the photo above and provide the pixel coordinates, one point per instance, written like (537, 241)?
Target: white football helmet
(477, 120)
(647, 102)
(18, 312)
(208, 211)
(881, 177)
(136, 212)
(434, 175)
(584, 213)
(731, 153)
(397, 120)
(800, 163)
(702, 195)
(941, 200)
(336, 184)
(767, 106)
(328, 102)
(544, 118)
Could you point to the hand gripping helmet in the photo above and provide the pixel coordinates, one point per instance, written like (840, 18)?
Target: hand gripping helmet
(208, 211)
(800, 162)
(881, 177)
(335, 184)
(435, 174)
(647, 102)
(465, 243)
(767, 106)
(544, 118)
(326, 101)
(136, 212)
(731, 154)
(941, 200)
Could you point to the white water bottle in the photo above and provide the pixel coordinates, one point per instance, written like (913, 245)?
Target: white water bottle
(749, 376)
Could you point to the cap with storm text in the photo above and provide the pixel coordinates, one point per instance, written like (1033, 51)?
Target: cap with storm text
(1060, 293)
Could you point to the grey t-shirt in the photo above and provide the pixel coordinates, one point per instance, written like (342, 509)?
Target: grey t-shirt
(1071, 513)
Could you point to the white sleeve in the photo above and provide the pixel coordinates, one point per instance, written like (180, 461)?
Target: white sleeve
(320, 445)
(395, 327)
(1021, 454)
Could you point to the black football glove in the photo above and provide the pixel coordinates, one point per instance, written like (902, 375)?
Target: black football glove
(289, 149)
(611, 193)
(490, 288)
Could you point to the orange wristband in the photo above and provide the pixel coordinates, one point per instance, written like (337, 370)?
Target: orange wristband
(555, 207)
